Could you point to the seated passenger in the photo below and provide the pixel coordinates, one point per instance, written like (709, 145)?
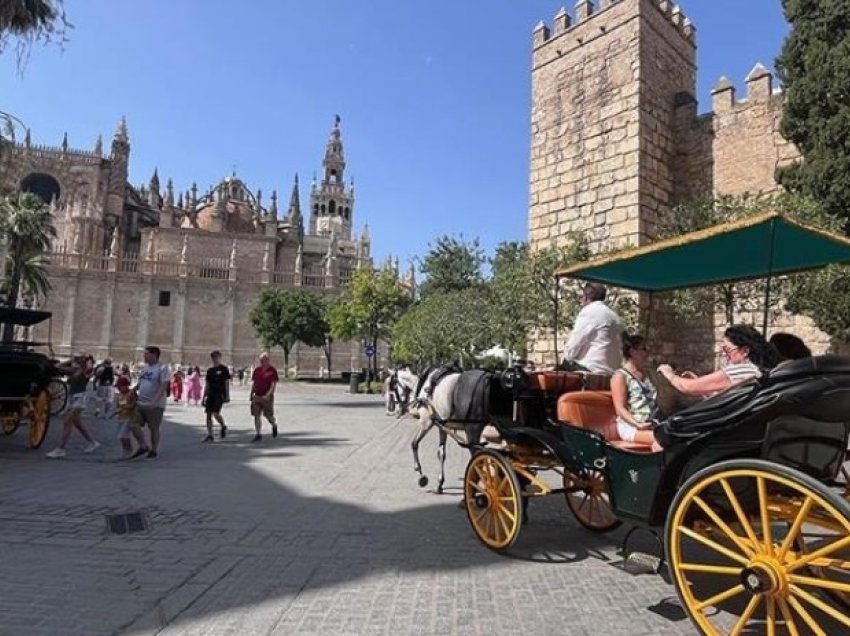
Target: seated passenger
(594, 343)
(747, 354)
(789, 347)
(634, 394)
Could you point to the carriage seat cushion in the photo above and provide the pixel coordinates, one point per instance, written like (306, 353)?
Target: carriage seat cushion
(594, 410)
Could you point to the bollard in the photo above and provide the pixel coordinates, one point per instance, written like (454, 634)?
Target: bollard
(354, 382)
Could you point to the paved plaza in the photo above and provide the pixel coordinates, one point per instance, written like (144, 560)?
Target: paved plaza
(320, 531)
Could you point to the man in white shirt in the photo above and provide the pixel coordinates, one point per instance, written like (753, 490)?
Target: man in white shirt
(151, 390)
(595, 343)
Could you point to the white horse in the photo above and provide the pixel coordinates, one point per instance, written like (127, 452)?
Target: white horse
(431, 404)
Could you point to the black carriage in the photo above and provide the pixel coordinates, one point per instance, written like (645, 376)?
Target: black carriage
(30, 385)
(749, 495)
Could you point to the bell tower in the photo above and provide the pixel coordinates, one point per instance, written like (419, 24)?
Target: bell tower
(331, 201)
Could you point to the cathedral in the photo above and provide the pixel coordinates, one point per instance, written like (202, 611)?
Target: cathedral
(139, 265)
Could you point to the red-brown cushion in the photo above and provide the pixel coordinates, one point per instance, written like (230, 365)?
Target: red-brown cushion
(593, 410)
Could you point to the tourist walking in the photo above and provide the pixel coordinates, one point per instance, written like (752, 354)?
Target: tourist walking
(193, 390)
(151, 390)
(177, 385)
(78, 371)
(264, 379)
(216, 395)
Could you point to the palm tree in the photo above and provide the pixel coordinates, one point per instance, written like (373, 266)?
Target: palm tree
(28, 21)
(27, 228)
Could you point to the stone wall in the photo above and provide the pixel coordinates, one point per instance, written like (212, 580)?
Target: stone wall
(114, 314)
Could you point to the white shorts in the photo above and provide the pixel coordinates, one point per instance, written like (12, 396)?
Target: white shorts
(625, 430)
(77, 401)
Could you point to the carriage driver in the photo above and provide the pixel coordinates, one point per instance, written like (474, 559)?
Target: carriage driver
(596, 339)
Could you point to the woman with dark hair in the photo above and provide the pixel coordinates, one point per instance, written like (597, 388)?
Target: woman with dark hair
(789, 346)
(747, 355)
(634, 394)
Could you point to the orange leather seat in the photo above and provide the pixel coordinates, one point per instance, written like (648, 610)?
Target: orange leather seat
(556, 382)
(594, 410)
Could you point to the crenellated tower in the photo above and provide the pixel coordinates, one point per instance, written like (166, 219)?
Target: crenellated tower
(331, 201)
(606, 86)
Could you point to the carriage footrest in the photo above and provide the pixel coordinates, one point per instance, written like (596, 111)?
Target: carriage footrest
(642, 563)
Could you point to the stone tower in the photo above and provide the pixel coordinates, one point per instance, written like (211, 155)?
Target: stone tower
(607, 87)
(331, 202)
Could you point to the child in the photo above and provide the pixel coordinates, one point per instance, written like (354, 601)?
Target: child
(127, 413)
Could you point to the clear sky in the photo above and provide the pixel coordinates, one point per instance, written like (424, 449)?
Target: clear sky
(434, 97)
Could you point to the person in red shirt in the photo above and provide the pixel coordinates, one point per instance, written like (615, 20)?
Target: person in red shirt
(263, 383)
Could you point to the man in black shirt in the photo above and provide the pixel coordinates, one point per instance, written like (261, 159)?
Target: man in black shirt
(216, 394)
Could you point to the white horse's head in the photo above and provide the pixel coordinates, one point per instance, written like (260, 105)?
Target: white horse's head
(402, 386)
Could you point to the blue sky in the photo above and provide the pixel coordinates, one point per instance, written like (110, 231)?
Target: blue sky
(434, 97)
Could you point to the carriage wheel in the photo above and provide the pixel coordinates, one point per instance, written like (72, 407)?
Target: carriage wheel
(39, 417)
(58, 395)
(591, 506)
(734, 533)
(493, 500)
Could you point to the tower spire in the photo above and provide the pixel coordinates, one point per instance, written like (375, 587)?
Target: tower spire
(121, 132)
(294, 211)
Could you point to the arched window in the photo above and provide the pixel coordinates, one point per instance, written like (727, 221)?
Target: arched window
(316, 209)
(332, 207)
(323, 209)
(43, 185)
(333, 176)
(345, 213)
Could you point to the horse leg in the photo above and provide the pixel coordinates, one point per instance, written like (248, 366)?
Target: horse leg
(441, 455)
(425, 424)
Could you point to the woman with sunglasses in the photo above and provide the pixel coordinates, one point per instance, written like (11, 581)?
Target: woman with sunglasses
(747, 355)
(634, 394)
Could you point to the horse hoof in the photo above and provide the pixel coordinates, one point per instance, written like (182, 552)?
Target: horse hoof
(423, 481)
(439, 490)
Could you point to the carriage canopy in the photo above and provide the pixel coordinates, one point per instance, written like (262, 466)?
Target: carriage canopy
(761, 246)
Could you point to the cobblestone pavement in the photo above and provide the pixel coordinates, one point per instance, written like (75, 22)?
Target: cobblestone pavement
(320, 531)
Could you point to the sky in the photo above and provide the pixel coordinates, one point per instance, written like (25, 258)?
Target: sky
(434, 97)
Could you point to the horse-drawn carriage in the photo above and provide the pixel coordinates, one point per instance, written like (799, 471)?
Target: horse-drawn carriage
(747, 496)
(30, 388)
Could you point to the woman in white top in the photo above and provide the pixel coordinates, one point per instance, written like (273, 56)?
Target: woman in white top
(747, 353)
(634, 394)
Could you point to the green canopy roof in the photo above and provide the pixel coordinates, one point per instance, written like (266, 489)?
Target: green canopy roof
(757, 247)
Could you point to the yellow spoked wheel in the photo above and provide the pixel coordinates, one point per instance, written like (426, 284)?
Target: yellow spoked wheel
(39, 418)
(589, 501)
(493, 500)
(734, 535)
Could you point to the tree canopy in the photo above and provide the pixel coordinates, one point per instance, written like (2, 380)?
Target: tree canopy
(368, 307)
(452, 264)
(282, 317)
(26, 22)
(450, 326)
(814, 66)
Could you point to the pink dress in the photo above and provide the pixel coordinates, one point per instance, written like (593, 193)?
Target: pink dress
(193, 391)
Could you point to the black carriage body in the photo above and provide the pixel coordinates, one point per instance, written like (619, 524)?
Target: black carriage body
(22, 374)
(798, 416)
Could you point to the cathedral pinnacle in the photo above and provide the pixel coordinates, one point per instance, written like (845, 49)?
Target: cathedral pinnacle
(273, 206)
(121, 132)
(169, 194)
(65, 142)
(98, 146)
(154, 183)
(294, 211)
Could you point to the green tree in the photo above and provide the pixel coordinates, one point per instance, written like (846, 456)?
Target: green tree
(27, 229)
(523, 291)
(29, 21)
(814, 66)
(452, 264)
(368, 308)
(282, 317)
(444, 327)
(798, 293)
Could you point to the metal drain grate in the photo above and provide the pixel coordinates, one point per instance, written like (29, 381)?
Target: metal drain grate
(127, 523)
